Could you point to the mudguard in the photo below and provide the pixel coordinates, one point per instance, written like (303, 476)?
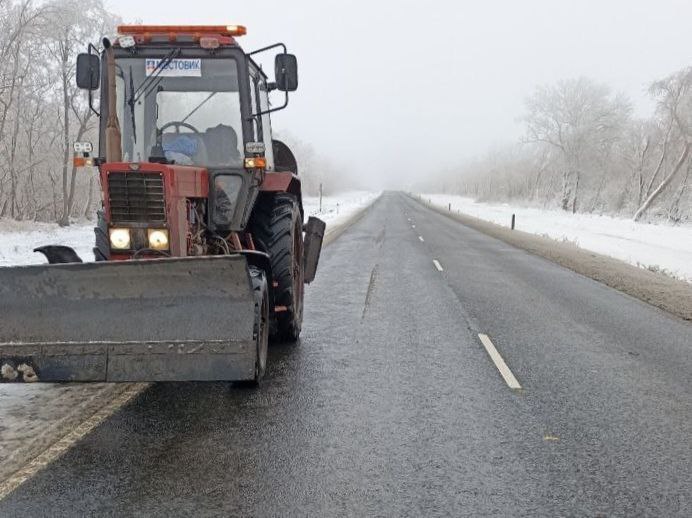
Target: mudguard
(314, 235)
(188, 319)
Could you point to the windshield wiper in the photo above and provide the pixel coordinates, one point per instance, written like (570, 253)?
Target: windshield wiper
(199, 106)
(148, 84)
(131, 104)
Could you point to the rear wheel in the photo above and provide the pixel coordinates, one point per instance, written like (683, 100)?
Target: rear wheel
(277, 228)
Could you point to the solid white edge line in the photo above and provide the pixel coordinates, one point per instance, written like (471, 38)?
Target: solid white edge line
(421, 239)
(499, 362)
(61, 446)
(437, 265)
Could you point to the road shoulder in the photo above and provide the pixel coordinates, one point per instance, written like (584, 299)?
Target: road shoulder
(663, 292)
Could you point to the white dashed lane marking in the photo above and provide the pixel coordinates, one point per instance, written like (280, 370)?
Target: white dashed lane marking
(421, 239)
(499, 362)
(438, 265)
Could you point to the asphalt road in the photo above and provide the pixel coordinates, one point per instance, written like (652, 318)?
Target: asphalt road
(390, 405)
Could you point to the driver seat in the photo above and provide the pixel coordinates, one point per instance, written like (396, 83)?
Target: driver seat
(221, 143)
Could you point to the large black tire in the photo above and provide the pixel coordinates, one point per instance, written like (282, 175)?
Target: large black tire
(261, 328)
(277, 229)
(102, 249)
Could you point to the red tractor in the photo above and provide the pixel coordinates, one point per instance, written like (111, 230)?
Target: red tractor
(201, 249)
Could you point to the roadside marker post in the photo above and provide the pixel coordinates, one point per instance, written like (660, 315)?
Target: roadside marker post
(320, 198)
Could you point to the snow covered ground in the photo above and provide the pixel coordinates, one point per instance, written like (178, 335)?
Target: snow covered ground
(658, 247)
(339, 208)
(18, 239)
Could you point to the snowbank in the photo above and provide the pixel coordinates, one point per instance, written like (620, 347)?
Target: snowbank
(657, 247)
(18, 239)
(339, 208)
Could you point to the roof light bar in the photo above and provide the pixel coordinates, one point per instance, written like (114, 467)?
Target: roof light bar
(221, 30)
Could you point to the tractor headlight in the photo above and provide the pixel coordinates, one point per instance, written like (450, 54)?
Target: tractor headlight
(158, 239)
(120, 238)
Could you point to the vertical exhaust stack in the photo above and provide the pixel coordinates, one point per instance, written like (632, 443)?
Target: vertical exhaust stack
(114, 151)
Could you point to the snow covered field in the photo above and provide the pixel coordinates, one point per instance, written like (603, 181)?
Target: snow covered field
(657, 247)
(18, 239)
(337, 209)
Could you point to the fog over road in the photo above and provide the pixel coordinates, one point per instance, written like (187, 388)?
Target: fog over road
(392, 405)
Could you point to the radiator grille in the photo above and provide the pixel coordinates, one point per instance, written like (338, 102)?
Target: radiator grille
(136, 198)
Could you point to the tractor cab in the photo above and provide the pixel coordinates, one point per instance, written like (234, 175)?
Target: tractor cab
(189, 96)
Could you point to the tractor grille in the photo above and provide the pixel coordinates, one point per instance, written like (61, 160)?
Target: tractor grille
(136, 198)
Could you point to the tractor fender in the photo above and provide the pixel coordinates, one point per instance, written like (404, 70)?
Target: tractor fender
(284, 181)
(259, 260)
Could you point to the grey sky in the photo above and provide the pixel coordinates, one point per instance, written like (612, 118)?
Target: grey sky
(390, 90)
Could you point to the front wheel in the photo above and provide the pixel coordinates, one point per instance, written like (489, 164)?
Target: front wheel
(261, 327)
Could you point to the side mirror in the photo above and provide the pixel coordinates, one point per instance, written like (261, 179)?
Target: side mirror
(88, 71)
(286, 72)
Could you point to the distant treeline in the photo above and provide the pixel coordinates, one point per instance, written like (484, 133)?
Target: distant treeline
(41, 110)
(316, 169)
(584, 151)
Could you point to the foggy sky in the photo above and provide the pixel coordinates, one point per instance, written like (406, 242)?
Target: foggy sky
(392, 90)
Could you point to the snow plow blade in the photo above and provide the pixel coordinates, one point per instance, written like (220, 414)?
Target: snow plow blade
(185, 319)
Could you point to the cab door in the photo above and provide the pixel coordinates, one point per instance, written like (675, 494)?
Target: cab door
(261, 121)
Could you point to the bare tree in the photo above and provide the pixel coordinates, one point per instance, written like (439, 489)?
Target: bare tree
(41, 110)
(581, 121)
(583, 152)
(675, 112)
(73, 25)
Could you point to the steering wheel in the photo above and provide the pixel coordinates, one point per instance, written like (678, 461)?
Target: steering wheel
(178, 125)
(201, 152)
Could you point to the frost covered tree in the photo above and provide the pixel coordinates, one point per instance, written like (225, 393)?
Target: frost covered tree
(75, 23)
(41, 110)
(581, 121)
(314, 168)
(674, 117)
(583, 151)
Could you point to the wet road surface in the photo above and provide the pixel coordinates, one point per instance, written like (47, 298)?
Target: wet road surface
(391, 405)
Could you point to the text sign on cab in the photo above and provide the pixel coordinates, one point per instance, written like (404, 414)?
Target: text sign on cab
(175, 68)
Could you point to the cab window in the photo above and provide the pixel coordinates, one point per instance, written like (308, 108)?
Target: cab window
(266, 124)
(254, 104)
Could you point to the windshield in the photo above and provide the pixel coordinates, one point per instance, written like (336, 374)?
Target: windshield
(188, 110)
